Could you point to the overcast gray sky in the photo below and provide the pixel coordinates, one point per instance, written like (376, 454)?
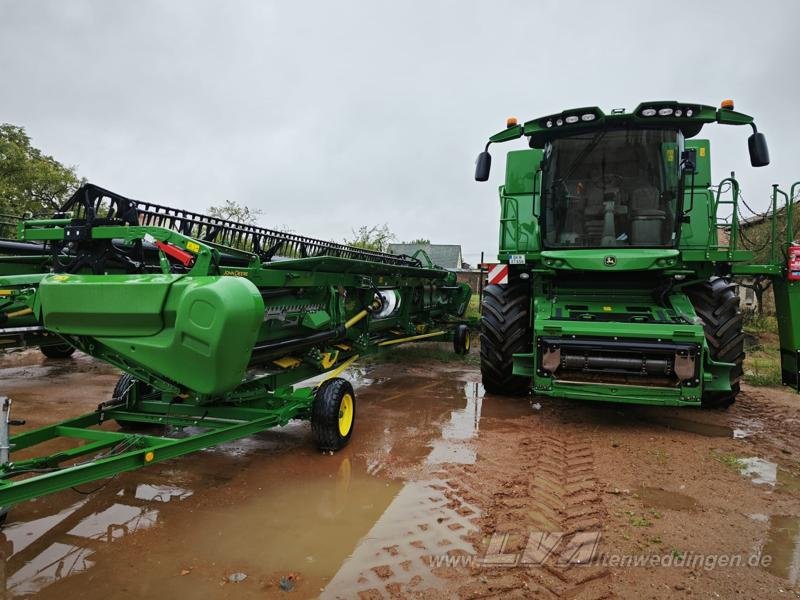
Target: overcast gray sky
(330, 115)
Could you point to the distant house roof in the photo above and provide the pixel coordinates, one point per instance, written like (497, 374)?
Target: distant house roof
(444, 255)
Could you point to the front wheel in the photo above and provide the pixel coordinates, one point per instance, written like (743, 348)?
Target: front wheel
(716, 303)
(333, 414)
(505, 331)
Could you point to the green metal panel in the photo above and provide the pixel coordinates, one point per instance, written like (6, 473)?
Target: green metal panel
(521, 166)
(519, 225)
(787, 306)
(196, 331)
(107, 304)
(702, 175)
(610, 260)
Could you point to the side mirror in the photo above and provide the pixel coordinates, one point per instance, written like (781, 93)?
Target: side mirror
(482, 166)
(759, 153)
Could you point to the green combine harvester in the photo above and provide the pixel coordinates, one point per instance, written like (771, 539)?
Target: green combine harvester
(622, 260)
(214, 324)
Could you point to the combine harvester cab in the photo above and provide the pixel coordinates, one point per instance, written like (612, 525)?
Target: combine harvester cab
(622, 260)
(214, 324)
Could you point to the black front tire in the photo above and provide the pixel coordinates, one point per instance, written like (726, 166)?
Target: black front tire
(57, 350)
(505, 331)
(461, 341)
(717, 304)
(333, 414)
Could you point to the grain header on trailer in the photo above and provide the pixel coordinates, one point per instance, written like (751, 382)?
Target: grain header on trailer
(213, 322)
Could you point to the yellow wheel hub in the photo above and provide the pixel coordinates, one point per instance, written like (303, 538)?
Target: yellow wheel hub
(346, 413)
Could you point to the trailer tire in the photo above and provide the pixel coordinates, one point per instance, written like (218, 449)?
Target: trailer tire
(333, 414)
(717, 304)
(461, 341)
(57, 350)
(505, 331)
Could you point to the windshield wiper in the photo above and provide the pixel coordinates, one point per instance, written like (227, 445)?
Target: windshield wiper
(578, 160)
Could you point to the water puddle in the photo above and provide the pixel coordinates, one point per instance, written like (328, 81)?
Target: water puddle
(463, 426)
(422, 520)
(270, 506)
(653, 497)
(783, 547)
(765, 472)
(760, 471)
(42, 551)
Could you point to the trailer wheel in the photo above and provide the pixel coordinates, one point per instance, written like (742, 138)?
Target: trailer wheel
(505, 331)
(57, 350)
(461, 341)
(333, 414)
(717, 304)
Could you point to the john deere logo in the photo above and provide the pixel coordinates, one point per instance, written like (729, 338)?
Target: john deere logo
(610, 261)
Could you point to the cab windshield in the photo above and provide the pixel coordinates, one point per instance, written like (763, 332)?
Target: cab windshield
(611, 188)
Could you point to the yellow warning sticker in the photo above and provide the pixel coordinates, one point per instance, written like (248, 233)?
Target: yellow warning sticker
(193, 247)
(702, 151)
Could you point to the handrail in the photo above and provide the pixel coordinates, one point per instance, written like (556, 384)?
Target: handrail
(774, 226)
(734, 202)
(789, 215)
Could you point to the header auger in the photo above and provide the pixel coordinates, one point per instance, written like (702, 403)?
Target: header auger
(622, 264)
(213, 323)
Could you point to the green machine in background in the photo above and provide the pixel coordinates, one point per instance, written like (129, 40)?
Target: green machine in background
(213, 322)
(623, 258)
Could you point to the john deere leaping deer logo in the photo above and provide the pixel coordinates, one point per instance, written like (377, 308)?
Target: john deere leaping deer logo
(610, 261)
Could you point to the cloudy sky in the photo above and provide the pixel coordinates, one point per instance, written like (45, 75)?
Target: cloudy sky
(330, 115)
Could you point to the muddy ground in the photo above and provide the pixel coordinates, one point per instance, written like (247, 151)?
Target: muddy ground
(443, 492)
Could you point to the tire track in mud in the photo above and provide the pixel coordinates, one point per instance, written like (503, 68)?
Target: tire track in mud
(529, 476)
(526, 482)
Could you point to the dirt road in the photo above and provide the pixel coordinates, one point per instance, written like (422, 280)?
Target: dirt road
(443, 492)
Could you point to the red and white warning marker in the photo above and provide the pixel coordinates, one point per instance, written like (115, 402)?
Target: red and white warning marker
(498, 274)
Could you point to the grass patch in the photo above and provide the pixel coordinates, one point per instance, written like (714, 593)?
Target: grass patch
(660, 455)
(730, 461)
(755, 323)
(638, 520)
(473, 312)
(762, 363)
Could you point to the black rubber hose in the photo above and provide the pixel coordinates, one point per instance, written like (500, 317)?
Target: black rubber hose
(288, 345)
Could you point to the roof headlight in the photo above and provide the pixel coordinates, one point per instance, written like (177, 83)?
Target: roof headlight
(572, 119)
(549, 123)
(678, 112)
(689, 112)
(560, 122)
(588, 117)
(664, 112)
(648, 112)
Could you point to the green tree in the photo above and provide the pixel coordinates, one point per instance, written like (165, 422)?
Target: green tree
(375, 238)
(31, 181)
(421, 241)
(233, 211)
